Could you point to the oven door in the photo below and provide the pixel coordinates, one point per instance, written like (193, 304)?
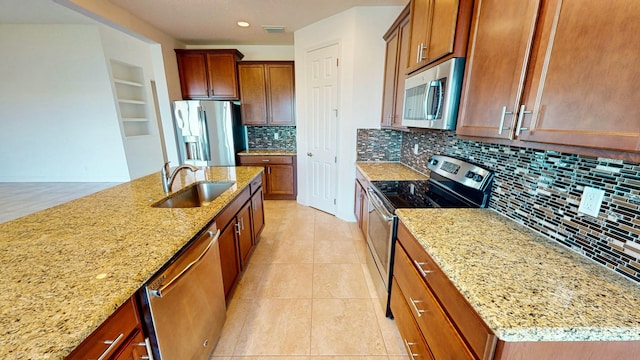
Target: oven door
(380, 232)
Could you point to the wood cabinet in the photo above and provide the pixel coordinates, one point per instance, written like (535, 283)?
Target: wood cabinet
(451, 327)
(397, 54)
(209, 74)
(267, 92)
(412, 337)
(119, 337)
(361, 203)
(257, 208)
(280, 178)
(565, 82)
(237, 237)
(439, 29)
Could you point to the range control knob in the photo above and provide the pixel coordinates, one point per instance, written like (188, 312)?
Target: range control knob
(469, 174)
(433, 161)
(477, 177)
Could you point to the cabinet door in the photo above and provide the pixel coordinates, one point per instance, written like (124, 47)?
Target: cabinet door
(257, 213)
(403, 58)
(499, 52)
(193, 75)
(134, 350)
(229, 257)
(245, 233)
(280, 180)
(421, 12)
(280, 94)
(442, 31)
(223, 82)
(411, 336)
(390, 75)
(584, 81)
(253, 94)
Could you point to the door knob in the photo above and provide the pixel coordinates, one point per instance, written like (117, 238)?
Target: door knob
(309, 154)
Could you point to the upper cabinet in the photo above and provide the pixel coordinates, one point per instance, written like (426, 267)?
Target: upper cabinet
(554, 72)
(397, 54)
(209, 74)
(439, 28)
(267, 92)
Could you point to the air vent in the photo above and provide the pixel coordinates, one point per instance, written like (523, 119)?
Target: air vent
(273, 29)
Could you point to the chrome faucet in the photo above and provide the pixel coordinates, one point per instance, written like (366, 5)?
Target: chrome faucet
(167, 180)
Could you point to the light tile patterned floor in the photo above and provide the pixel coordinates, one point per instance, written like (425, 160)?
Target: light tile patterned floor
(307, 295)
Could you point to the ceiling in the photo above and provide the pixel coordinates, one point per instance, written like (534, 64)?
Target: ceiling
(201, 22)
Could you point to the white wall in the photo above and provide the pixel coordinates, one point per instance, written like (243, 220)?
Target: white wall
(144, 154)
(58, 121)
(256, 52)
(359, 32)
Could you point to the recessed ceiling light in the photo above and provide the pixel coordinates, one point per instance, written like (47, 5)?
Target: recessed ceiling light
(243, 24)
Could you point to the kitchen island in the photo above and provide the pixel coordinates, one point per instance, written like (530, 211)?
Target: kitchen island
(66, 269)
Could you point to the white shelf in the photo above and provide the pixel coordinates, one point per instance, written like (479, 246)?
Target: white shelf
(127, 82)
(129, 101)
(134, 119)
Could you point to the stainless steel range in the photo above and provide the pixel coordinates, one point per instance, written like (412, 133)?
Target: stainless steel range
(453, 183)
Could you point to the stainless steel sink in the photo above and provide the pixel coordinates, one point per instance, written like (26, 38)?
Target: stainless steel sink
(197, 195)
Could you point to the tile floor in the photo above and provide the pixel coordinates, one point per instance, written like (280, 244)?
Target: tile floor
(307, 294)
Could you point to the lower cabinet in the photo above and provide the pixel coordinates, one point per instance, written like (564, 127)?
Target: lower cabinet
(411, 336)
(361, 202)
(280, 179)
(119, 337)
(242, 222)
(450, 326)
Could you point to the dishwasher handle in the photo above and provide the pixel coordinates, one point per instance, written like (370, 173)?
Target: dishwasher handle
(166, 287)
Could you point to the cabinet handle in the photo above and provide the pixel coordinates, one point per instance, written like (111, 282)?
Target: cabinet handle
(147, 345)
(112, 345)
(269, 170)
(504, 113)
(422, 271)
(419, 312)
(418, 53)
(265, 160)
(520, 117)
(237, 228)
(408, 346)
(242, 223)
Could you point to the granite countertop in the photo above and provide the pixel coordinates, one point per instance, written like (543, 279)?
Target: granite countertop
(526, 287)
(66, 269)
(379, 170)
(265, 152)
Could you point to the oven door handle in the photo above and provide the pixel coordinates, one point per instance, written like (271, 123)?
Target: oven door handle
(377, 204)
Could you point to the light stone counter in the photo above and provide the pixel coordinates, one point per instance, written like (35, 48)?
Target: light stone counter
(267, 152)
(525, 286)
(380, 170)
(50, 293)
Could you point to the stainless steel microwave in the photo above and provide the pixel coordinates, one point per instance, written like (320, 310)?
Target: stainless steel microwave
(432, 96)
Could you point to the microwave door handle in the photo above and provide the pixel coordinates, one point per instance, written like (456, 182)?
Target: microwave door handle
(432, 112)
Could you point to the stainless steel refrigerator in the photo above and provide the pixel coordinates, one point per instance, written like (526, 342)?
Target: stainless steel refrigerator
(208, 133)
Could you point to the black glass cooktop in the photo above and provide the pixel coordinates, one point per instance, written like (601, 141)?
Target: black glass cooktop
(419, 194)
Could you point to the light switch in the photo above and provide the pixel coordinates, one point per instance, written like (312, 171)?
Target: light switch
(591, 201)
(415, 149)
(276, 136)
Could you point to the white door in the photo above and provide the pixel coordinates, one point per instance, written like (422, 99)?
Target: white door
(321, 70)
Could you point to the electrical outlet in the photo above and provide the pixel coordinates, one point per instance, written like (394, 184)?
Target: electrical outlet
(591, 201)
(415, 149)
(412, 189)
(276, 136)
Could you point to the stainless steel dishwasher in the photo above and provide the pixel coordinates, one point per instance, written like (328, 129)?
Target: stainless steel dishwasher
(187, 303)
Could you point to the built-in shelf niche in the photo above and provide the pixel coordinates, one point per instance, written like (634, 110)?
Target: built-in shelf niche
(131, 97)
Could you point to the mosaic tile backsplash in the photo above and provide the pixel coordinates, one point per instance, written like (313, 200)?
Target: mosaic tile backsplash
(542, 189)
(378, 145)
(263, 137)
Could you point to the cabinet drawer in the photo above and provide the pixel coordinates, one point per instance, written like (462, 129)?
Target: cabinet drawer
(411, 337)
(264, 160)
(114, 331)
(442, 337)
(255, 184)
(230, 211)
(477, 334)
